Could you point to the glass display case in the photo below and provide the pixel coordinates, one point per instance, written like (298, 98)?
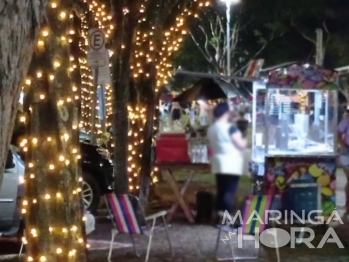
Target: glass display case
(295, 113)
(300, 122)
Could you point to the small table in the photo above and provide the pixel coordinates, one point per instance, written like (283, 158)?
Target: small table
(167, 171)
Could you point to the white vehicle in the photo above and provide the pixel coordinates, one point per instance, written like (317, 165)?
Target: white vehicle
(11, 190)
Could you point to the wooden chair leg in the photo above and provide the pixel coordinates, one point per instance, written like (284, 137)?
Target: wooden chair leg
(175, 205)
(179, 197)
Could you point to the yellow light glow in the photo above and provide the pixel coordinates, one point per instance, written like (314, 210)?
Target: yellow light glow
(63, 15)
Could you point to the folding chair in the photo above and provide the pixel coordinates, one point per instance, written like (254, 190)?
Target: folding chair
(254, 204)
(124, 220)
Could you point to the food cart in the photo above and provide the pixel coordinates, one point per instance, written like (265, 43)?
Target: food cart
(294, 133)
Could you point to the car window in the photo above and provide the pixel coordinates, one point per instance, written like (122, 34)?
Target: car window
(9, 161)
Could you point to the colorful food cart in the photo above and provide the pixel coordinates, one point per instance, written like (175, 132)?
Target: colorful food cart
(294, 137)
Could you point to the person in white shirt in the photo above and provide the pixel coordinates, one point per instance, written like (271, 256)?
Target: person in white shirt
(227, 159)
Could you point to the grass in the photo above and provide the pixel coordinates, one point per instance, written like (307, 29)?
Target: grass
(202, 181)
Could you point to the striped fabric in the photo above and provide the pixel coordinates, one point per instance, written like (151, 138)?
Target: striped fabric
(256, 205)
(123, 214)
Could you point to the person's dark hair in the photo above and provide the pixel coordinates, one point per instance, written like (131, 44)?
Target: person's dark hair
(220, 110)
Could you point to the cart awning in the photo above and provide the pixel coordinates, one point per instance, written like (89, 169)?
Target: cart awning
(303, 76)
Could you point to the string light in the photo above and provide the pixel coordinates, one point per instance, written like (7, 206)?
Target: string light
(54, 168)
(147, 50)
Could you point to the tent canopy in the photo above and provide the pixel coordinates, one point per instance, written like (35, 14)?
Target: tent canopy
(208, 89)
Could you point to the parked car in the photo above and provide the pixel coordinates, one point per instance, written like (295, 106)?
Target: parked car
(97, 172)
(11, 189)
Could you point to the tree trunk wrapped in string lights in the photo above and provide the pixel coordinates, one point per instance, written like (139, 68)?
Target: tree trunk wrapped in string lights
(53, 205)
(158, 36)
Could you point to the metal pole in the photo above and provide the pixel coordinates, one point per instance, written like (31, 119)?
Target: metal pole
(199, 74)
(228, 38)
(103, 108)
(93, 108)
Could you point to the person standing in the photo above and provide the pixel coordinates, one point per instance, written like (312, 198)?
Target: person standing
(343, 138)
(176, 111)
(226, 147)
(203, 113)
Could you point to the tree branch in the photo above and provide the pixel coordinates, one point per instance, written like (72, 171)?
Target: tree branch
(257, 53)
(206, 42)
(303, 34)
(199, 47)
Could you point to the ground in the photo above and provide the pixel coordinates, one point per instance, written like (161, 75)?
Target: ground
(197, 242)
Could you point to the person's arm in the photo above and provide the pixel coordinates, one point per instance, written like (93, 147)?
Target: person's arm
(342, 129)
(238, 138)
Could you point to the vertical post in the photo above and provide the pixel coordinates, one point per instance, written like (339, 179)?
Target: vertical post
(228, 38)
(93, 108)
(326, 116)
(103, 108)
(319, 47)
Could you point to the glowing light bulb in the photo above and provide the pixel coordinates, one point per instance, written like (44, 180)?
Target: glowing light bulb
(63, 15)
(56, 64)
(59, 251)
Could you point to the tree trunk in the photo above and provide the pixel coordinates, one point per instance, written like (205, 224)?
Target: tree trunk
(53, 203)
(123, 40)
(19, 28)
(148, 137)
